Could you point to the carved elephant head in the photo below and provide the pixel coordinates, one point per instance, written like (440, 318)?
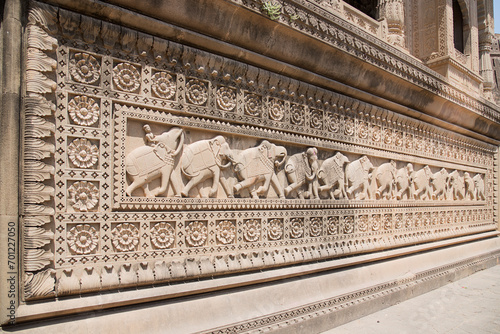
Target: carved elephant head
(274, 152)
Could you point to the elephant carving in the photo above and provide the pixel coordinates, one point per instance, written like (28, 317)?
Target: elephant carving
(456, 184)
(331, 175)
(470, 187)
(422, 182)
(203, 160)
(479, 183)
(357, 174)
(404, 182)
(385, 180)
(257, 165)
(147, 163)
(301, 170)
(439, 182)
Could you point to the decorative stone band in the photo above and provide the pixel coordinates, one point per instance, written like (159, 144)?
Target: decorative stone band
(190, 247)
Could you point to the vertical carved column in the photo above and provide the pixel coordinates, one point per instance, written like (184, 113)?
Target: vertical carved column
(485, 64)
(38, 169)
(393, 12)
(486, 35)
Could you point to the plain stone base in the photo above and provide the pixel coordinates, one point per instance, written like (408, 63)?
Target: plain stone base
(308, 304)
(469, 305)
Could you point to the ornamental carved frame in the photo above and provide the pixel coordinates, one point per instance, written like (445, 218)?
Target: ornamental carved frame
(90, 87)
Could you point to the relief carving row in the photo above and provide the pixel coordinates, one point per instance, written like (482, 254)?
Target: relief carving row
(255, 169)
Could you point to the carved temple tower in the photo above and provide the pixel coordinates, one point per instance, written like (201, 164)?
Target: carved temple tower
(237, 166)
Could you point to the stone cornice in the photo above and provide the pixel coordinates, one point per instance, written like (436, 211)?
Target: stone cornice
(364, 66)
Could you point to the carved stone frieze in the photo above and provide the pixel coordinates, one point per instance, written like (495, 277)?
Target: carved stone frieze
(148, 161)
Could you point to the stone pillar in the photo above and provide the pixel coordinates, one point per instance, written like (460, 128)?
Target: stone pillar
(10, 86)
(485, 65)
(393, 12)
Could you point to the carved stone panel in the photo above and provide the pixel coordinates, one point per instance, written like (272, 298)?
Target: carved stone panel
(143, 169)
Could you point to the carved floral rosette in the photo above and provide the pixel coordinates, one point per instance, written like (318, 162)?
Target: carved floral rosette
(83, 196)
(83, 110)
(162, 235)
(83, 239)
(82, 153)
(226, 98)
(125, 237)
(164, 85)
(85, 68)
(126, 77)
(225, 232)
(83, 233)
(196, 233)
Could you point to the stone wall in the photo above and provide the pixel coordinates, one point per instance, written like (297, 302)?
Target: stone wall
(164, 162)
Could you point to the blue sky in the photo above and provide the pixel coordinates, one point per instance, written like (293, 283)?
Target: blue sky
(496, 7)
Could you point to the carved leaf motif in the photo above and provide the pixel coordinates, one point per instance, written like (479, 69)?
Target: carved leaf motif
(69, 22)
(36, 237)
(37, 105)
(37, 149)
(40, 284)
(145, 272)
(39, 61)
(67, 282)
(110, 34)
(38, 83)
(37, 259)
(43, 15)
(36, 193)
(90, 28)
(33, 209)
(38, 127)
(127, 274)
(35, 221)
